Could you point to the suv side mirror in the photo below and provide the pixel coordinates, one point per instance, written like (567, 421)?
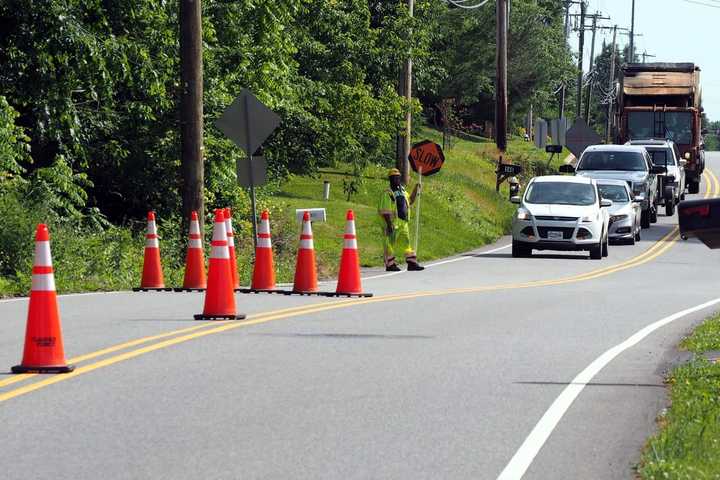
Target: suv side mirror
(567, 168)
(515, 199)
(639, 198)
(605, 203)
(683, 162)
(659, 169)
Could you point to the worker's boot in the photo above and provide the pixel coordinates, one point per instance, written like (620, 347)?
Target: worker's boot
(414, 266)
(392, 268)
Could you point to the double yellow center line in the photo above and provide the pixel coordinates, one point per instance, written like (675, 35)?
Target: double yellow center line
(176, 337)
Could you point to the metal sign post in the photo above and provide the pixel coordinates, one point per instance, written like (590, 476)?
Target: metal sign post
(235, 124)
(249, 151)
(417, 218)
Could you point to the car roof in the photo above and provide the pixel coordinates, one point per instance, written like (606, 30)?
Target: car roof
(563, 179)
(603, 181)
(615, 148)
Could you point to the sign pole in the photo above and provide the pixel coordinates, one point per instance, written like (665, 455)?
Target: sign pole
(250, 170)
(417, 218)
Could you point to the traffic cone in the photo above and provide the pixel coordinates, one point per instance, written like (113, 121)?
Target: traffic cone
(349, 277)
(231, 248)
(152, 276)
(305, 271)
(220, 295)
(195, 258)
(264, 270)
(44, 352)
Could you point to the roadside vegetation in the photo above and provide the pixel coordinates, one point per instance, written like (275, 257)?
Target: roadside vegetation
(89, 124)
(688, 444)
(460, 211)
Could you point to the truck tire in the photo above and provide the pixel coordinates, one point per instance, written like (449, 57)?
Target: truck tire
(670, 208)
(645, 219)
(694, 187)
(596, 252)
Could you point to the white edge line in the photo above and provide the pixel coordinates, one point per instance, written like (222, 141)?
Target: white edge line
(525, 455)
(20, 299)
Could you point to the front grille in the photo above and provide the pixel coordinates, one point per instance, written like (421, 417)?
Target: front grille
(567, 231)
(558, 219)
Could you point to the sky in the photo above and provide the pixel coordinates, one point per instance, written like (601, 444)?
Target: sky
(673, 31)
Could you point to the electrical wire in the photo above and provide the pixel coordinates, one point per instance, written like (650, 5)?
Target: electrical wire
(468, 4)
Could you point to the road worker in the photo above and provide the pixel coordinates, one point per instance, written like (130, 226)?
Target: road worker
(394, 211)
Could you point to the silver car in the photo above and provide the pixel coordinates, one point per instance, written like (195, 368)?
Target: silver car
(625, 212)
(671, 185)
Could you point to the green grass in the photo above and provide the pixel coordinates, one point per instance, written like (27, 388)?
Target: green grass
(460, 209)
(688, 444)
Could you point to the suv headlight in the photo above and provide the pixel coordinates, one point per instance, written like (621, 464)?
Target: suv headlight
(523, 214)
(639, 187)
(617, 218)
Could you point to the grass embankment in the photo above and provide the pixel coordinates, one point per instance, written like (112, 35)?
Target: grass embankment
(460, 211)
(688, 444)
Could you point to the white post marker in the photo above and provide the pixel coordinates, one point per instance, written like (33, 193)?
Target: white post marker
(417, 215)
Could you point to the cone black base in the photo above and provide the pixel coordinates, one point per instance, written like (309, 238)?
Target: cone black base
(260, 290)
(151, 289)
(200, 316)
(188, 289)
(343, 294)
(53, 369)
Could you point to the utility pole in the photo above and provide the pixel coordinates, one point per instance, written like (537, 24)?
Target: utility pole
(597, 16)
(405, 89)
(590, 68)
(501, 100)
(191, 109)
(611, 88)
(632, 35)
(581, 52)
(563, 88)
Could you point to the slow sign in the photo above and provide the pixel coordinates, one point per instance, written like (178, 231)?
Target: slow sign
(426, 157)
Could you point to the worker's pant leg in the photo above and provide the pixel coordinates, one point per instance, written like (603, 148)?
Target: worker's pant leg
(402, 240)
(388, 248)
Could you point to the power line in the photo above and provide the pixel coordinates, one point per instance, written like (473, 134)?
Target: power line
(702, 3)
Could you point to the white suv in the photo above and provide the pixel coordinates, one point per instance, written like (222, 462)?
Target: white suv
(561, 213)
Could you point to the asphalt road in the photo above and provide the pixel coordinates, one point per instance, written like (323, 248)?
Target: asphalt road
(477, 366)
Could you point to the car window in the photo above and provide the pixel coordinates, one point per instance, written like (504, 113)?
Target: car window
(616, 193)
(613, 160)
(662, 156)
(561, 193)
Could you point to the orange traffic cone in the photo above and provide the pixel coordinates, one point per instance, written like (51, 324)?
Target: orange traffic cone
(152, 276)
(44, 352)
(264, 270)
(231, 248)
(305, 271)
(349, 277)
(195, 260)
(219, 296)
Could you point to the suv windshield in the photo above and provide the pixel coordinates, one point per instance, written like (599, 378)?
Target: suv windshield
(561, 193)
(616, 193)
(612, 160)
(662, 156)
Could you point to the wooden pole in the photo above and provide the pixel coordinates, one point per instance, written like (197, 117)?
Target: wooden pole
(501, 100)
(191, 110)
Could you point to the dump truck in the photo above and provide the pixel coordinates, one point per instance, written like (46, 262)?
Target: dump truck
(663, 101)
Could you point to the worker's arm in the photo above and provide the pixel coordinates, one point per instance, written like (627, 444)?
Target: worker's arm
(388, 223)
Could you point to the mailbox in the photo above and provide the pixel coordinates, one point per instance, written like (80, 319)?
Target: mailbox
(316, 214)
(701, 219)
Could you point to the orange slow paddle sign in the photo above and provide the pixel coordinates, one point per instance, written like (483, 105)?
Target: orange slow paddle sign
(426, 157)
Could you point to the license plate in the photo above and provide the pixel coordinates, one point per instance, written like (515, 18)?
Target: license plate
(555, 235)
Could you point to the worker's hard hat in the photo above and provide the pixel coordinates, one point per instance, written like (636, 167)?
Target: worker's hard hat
(394, 172)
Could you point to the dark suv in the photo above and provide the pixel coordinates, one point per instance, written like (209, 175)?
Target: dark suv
(629, 163)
